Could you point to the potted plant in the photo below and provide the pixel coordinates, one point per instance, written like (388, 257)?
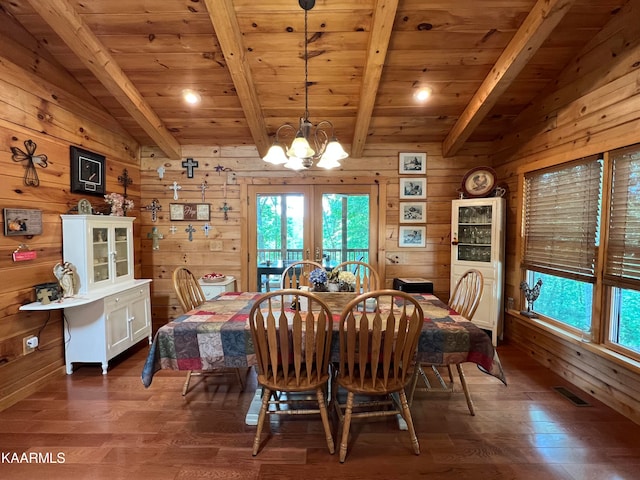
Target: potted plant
(318, 279)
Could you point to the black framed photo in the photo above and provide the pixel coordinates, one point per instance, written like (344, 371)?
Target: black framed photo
(87, 172)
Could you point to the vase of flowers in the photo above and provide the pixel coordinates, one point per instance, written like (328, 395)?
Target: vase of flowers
(334, 283)
(346, 282)
(119, 204)
(318, 279)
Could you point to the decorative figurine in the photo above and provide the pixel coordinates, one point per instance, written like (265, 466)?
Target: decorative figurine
(65, 273)
(531, 294)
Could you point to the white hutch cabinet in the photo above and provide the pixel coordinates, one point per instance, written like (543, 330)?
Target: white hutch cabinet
(477, 241)
(111, 311)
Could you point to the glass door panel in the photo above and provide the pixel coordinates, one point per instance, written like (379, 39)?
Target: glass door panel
(122, 252)
(474, 233)
(100, 250)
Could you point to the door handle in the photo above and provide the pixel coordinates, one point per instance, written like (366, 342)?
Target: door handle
(317, 256)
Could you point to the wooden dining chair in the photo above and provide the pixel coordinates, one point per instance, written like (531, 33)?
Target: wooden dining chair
(464, 299)
(367, 278)
(190, 296)
(377, 358)
(296, 275)
(292, 351)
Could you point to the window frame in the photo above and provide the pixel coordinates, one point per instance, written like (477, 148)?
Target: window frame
(603, 308)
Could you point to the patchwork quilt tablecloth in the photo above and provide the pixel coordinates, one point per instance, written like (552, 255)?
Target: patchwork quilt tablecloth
(217, 335)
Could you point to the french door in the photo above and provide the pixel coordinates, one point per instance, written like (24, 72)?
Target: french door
(326, 224)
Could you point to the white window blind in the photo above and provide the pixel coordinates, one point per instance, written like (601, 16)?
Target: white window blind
(623, 248)
(561, 219)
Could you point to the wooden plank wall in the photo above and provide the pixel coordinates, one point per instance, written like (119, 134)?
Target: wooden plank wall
(378, 165)
(41, 102)
(594, 106)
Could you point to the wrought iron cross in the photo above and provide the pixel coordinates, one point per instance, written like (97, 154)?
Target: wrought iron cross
(225, 208)
(125, 180)
(190, 164)
(190, 231)
(155, 235)
(30, 174)
(154, 207)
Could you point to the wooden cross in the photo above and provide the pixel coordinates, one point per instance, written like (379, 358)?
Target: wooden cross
(154, 207)
(225, 208)
(125, 180)
(175, 187)
(190, 231)
(160, 171)
(155, 235)
(203, 186)
(44, 296)
(206, 227)
(190, 164)
(173, 229)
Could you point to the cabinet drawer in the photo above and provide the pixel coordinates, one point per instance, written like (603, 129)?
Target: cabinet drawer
(126, 296)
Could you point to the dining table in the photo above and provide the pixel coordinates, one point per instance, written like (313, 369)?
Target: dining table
(217, 335)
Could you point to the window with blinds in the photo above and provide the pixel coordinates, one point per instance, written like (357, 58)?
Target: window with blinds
(623, 247)
(561, 219)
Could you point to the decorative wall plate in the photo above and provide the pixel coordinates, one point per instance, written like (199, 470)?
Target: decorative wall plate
(479, 182)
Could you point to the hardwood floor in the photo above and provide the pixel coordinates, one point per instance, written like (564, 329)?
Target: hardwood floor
(111, 427)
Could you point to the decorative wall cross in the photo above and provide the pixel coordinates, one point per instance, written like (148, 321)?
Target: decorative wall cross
(160, 171)
(155, 235)
(175, 187)
(190, 231)
(225, 209)
(190, 164)
(30, 178)
(206, 227)
(125, 180)
(154, 207)
(203, 186)
(173, 229)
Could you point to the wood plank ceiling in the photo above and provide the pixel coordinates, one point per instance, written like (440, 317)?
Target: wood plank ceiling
(485, 61)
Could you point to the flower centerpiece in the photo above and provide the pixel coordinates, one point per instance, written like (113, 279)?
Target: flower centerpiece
(318, 279)
(346, 282)
(334, 282)
(119, 204)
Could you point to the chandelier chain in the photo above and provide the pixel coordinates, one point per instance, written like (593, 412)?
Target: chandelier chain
(306, 68)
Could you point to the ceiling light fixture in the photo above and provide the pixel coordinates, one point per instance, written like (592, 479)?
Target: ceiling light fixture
(191, 97)
(310, 142)
(423, 94)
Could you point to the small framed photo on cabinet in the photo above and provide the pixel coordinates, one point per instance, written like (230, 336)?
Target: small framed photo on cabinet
(413, 212)
(412, 236)
(412, 163)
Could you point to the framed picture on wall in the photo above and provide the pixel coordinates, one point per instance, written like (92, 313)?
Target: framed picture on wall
(412, 236)
(412, 163)
(413, 212)
(413, 188)
(87, 172)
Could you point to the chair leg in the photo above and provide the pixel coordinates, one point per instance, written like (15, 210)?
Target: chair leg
(322, 405)
(266, 395)
(345, 427)
(465, 388)
(185, 387)
(241, 378)
(406, 413)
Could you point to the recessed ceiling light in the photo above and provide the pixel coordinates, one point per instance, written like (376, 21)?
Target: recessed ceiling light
(423, 94)
(191, 97)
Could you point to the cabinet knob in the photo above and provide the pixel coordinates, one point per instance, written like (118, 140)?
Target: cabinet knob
(131, 319)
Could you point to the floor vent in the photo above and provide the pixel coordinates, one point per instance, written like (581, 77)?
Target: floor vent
(573, 398)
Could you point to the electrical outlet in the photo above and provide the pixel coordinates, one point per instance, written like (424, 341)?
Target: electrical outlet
(29, 344)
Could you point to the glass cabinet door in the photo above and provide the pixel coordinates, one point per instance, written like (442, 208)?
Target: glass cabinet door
(121, 252)
(474, 233)
(100, 242)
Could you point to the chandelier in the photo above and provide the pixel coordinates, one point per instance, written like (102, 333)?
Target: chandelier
(311, 142)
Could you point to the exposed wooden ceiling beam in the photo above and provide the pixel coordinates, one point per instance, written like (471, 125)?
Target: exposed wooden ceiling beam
(225, 24)
(543, 18)
(385, 13)
(70, 27)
